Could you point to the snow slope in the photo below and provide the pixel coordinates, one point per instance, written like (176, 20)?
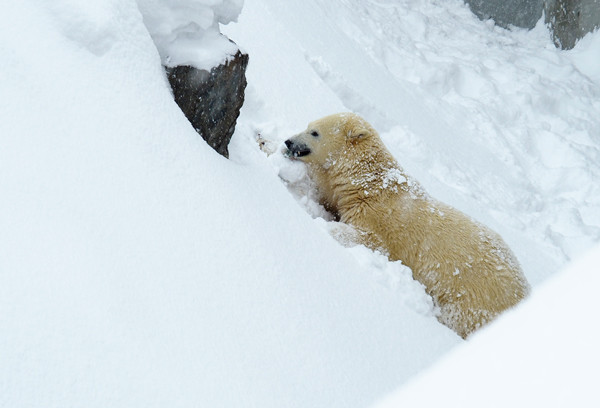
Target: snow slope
(139, 268)
(544, 353)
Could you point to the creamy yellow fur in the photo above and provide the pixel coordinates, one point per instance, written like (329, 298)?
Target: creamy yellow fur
(467, 269)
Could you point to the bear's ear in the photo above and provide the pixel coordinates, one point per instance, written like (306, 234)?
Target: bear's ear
(357, 133)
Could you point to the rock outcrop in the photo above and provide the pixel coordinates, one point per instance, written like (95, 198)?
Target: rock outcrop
(567, 20)
(211, 100)
(570, 20)
(506, 13)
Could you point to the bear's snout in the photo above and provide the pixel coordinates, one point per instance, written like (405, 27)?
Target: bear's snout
(295, 149)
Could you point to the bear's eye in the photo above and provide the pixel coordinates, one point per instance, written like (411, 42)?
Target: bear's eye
(314, 133)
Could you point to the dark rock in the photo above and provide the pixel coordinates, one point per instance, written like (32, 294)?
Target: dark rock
(567, 20)
(211, 100)
(506, 13)
(570, 20)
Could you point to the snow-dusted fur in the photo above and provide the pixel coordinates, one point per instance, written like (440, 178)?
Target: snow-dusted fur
(468, 269)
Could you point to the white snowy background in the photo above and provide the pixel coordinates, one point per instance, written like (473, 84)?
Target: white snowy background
(138, 268)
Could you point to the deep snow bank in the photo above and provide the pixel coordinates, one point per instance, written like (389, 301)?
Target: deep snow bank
(543, 354)
(130, 278)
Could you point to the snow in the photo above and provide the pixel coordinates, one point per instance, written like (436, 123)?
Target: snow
(187, 32)
(140, 268)
(543, 353)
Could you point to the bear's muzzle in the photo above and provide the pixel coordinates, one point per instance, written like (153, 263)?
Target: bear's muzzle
(296, 149)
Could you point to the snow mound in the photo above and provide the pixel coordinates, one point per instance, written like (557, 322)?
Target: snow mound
(187, 32)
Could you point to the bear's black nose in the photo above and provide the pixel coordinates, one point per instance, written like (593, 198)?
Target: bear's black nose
(296, 149)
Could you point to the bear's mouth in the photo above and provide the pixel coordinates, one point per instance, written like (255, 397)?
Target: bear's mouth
(296, 150)
(300, 153)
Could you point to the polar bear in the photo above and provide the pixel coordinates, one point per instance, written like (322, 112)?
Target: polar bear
(468, 270)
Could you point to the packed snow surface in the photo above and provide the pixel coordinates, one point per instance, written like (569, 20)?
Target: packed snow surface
(138, 268)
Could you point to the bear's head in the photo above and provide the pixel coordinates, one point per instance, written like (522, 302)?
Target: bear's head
(327, 138)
